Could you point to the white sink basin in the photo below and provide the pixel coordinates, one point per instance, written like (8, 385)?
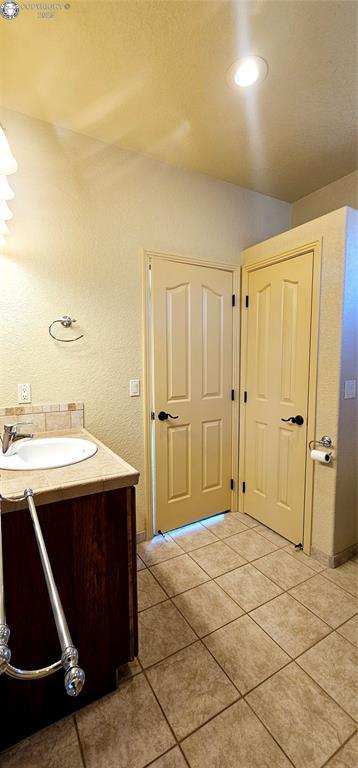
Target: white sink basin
(47, 453)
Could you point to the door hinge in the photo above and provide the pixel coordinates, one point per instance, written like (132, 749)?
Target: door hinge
(152, 415)
(233, 300)
(244, 487)
(232, 394)
(232, 484)
(246, 301)
(245, 397)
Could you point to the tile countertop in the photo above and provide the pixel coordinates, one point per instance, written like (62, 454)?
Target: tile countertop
(105, 471)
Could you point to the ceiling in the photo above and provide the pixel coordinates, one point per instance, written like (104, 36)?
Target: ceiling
(151, 77)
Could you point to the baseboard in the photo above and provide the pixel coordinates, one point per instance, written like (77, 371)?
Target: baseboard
(333, 561)
(141, 536)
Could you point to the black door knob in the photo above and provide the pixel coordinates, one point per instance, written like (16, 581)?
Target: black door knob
(162, 416)
(295, 420)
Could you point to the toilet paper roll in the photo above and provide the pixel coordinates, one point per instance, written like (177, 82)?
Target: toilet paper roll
(322, 456)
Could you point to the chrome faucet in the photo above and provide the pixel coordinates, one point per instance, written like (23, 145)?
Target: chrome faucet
(11, 436)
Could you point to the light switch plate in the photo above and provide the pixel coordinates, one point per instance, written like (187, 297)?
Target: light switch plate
(134, 388)
(350, 387)
(24, 393)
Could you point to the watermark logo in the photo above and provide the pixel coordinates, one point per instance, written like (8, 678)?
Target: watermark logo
(9, 10)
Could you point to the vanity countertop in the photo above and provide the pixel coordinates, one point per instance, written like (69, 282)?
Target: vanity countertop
(105, 471)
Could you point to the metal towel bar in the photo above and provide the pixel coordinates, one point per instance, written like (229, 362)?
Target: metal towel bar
(74, 675)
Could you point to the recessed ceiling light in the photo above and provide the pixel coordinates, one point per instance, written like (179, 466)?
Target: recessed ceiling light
(247, 71)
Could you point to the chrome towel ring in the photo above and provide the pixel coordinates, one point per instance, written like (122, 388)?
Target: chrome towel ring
(66, 322)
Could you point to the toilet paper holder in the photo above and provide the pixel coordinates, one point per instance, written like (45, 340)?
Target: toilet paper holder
(325, 441)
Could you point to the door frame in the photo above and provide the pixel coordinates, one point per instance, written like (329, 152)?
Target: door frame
(147, 258)
(251, 266)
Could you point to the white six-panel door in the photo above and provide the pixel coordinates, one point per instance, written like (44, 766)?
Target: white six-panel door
(192, 380)
(277, 382)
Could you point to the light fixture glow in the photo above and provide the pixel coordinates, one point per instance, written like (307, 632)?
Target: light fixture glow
(2, 240)
(8, 163)
(4, 229)
(248, 71)
(6, 193)
(5, 213)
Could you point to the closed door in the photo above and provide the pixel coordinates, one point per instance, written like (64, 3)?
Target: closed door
(278, 358)
(192, 380)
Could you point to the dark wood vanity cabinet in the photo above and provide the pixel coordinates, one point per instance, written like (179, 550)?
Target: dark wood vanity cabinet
(91, 542)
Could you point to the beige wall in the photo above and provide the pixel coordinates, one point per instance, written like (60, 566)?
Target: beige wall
(346, 521)
(343, 192)
(83, 212)
(330, 230)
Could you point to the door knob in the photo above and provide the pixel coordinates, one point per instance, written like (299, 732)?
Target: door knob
(162, 416)
(295, 420)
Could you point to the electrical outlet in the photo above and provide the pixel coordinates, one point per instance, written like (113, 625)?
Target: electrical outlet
(24, 393)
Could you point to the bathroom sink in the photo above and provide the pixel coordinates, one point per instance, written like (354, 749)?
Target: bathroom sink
(47, 453)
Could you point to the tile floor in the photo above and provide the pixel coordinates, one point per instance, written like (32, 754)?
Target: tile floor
(248, 659)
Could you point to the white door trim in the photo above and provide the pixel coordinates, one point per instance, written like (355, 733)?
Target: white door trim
(148, 256)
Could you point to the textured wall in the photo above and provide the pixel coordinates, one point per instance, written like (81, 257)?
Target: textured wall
(330, 230)
(346, 521)
(342, 192)
(83, 212)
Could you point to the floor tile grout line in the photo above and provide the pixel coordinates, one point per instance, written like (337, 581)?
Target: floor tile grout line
(144, 673)
(215, 578)
(276, 582)
(213, 630)
(354, 645)
(212, 717)
(268, 731)
(327, 694)
(332, 629)
(161, 709)
(352, 594)
(82, 752)
(292, 554)
(199, 639)
(291, 659)
(276, 549)
(168, 751)
(179, 741)
(246, 562)
(225, 540)
(302, 605)
(311, 611)
(155, 663)
(316, 614)
(341, 746)
(184, 590)
(279, 546)
(284, 591)
(242, 697)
